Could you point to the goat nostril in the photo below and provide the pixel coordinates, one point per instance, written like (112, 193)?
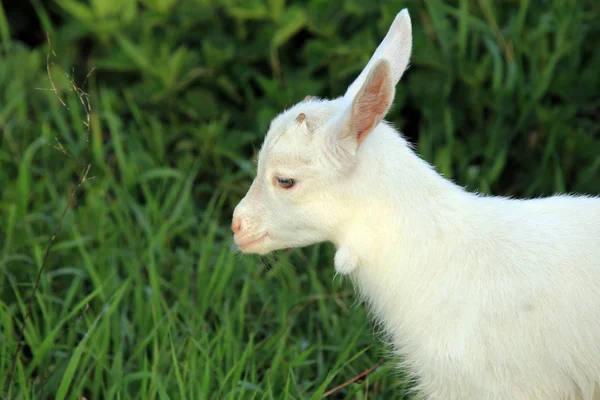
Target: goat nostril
(236, 225)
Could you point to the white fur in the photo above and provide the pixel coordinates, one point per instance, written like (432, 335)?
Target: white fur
(482, 297)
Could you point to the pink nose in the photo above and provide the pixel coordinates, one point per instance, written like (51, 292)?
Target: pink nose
(236, 225)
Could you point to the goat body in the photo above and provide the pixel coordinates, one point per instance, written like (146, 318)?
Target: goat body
(481, 297)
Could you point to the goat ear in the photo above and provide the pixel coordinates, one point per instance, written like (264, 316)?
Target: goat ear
(395, 48)
(369, 107)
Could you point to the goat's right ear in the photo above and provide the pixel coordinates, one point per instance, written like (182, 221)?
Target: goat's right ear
(368, 108)
(396, 48)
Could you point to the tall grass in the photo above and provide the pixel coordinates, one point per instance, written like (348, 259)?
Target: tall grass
(144, 296)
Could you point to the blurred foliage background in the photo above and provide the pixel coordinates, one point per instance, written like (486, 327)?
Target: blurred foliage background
(143, 295)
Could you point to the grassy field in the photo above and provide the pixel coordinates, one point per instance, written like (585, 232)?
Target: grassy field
(143, 295)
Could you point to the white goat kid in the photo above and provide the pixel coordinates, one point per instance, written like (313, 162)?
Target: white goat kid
(482, 297)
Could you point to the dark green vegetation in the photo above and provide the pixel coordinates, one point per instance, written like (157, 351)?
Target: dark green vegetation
(143, 296)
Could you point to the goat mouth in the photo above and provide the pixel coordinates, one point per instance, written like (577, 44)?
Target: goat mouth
(249, 243)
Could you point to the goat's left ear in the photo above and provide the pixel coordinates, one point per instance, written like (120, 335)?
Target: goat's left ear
(368, 108)
(395, 47)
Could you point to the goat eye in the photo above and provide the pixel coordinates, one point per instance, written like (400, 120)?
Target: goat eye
(285, 183)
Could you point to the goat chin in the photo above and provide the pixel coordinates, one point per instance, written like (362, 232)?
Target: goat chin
(481, 297)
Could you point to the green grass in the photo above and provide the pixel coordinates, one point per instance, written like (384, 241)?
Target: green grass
(143, 295)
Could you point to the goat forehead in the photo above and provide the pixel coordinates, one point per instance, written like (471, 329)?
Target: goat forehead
(316, 113)
(290, 144)
(287, 154)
